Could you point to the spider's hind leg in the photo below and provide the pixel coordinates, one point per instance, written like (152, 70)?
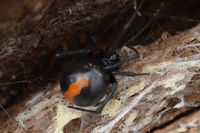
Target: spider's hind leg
(109, 95)
(104, 102)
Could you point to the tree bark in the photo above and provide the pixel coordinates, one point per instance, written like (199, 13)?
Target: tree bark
(157, 103)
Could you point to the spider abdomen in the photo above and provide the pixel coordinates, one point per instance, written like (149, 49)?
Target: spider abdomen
(83, 81)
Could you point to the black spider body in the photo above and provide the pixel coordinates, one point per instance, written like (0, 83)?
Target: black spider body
(86, 77)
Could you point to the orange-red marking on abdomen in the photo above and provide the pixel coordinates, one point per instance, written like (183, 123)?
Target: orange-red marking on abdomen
(75, 88)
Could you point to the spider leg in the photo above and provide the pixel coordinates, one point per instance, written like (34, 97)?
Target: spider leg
(72, 53)
(82, 109)
(64, 54)
(128, 73)
(98, 52)
(94, 41)
(125, 29)
(105, 101)
(145, 27)
(121, 62)
(109, 96)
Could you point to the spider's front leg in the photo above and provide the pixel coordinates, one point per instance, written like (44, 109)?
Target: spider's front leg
(64, 54)
(121, 62)
(72, 53)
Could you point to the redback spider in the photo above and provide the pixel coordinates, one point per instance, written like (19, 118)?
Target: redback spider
(86, 77)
